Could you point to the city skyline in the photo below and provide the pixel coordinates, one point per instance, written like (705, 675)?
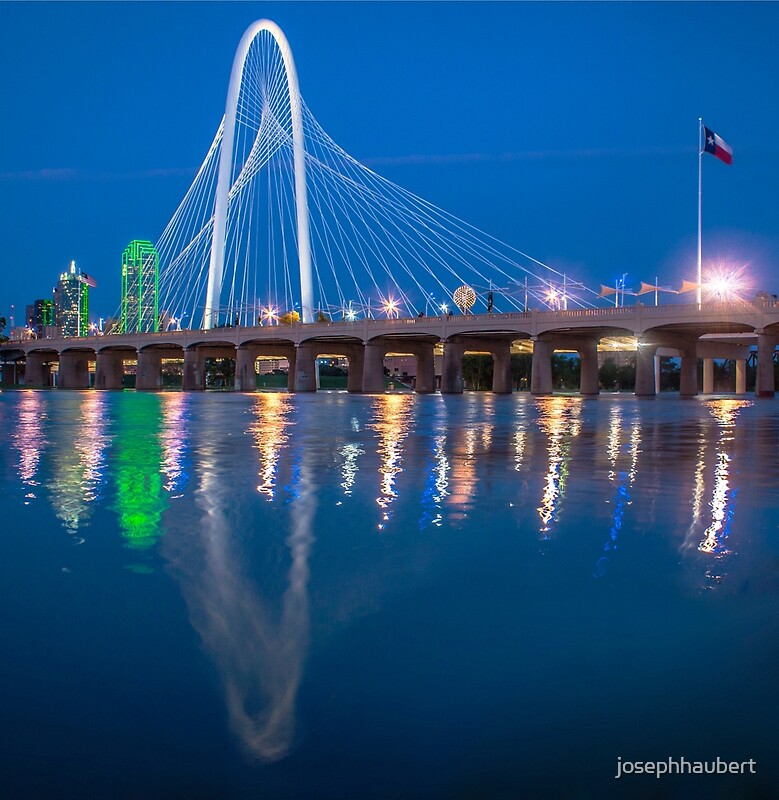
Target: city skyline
(573, 141)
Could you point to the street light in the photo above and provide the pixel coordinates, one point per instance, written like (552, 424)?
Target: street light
(270, 315)
(390, 308)
(723, 283)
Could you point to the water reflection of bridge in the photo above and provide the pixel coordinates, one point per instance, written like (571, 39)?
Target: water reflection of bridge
(213, 506)
(718, 330)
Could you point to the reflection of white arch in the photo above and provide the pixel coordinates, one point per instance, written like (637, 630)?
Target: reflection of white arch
(216, 266)
(261, 657)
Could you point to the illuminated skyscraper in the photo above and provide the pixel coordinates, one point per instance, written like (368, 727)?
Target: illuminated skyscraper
(140, 270)
(39, 316)
(71, 302)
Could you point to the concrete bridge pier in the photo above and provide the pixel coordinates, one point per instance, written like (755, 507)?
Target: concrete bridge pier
(194, 378)
(708, 376)
(148, 375)
(245, 374)
(356, 357)
(741, 376)
(305, 368)
(766, 345)
(109, 370)
(541, 372)
(501, 368)
(589, 383)
(425, 383)
(10, 376)
(452, 368)
(292, 360)
(373, 367)
(37, 372)
(73, 370)
(646, 385)
(688, 369)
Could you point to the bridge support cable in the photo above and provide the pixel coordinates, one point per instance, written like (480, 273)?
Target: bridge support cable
(493, 252)
(282, 220)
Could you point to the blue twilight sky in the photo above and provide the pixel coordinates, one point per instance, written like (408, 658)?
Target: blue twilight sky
(567, 130)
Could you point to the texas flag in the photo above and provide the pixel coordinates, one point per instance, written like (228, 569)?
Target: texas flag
(716, 146)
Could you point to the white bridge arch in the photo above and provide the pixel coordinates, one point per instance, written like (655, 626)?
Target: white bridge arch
(224, 183)
(276, 196)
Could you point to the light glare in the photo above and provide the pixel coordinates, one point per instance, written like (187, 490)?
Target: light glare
(723, 284)
(390, 308)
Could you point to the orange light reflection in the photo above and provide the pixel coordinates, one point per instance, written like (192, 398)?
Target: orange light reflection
(392, 414)
(271, 412)
(27, 438)
(559, 420)
(173, 440)
(725, 412)
(79, 463)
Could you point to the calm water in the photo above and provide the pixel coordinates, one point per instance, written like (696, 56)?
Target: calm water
(278, 596)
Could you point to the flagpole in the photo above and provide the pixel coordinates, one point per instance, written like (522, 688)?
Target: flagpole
(700, 196)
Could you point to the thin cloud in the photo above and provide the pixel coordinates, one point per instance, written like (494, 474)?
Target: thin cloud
(72, 174)
(55, 174)
(527, 155)
(46, 174)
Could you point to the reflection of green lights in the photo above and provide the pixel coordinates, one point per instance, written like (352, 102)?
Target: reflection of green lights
(139, 502)
(140, 499)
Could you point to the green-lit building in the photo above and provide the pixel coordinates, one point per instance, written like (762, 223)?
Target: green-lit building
(140, 274)
(71, 303)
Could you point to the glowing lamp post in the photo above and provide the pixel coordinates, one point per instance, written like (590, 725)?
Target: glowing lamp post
(390, 308)
(269, 315)
(723, 285)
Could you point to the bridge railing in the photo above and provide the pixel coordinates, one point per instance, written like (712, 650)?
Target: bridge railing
(707, 310)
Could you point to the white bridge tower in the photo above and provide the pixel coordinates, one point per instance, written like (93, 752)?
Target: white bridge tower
(216, 265)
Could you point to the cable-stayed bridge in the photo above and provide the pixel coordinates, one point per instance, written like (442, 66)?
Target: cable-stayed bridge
(285, 246)
(281, 220)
